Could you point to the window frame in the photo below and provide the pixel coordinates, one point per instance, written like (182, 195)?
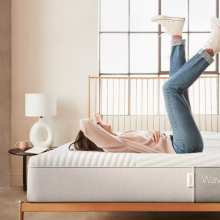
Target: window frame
(159, 32)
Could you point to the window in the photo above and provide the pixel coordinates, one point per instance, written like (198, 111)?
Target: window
(130, 46)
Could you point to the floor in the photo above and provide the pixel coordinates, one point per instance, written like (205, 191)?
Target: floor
(9, 197)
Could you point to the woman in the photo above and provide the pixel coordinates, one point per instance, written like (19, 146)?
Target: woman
(186, 136)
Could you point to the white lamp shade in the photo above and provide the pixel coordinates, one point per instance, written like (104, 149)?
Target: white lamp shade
(37, 104)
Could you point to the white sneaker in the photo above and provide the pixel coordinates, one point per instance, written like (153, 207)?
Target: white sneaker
(173, 25)
(214, 40)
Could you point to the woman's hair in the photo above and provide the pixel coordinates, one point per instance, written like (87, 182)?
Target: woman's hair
(83, 143)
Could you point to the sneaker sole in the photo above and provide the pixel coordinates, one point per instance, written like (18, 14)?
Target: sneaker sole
(163, 17)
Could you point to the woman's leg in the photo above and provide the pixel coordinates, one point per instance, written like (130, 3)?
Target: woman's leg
(186, 135)
(177, 60)
(174, 27)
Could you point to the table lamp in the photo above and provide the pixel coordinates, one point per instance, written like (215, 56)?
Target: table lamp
(40, 105)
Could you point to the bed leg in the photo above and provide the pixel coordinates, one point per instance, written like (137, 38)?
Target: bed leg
(21, 214)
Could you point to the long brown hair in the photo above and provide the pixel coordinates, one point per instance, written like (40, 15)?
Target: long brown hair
(84, 144)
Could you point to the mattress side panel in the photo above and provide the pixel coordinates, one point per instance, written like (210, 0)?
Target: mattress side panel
(109, 184)
(207, 183)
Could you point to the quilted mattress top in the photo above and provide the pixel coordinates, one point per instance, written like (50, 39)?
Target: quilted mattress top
(62, 157)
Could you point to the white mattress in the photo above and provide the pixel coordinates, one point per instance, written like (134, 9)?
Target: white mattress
(62, 157)
(61, 175)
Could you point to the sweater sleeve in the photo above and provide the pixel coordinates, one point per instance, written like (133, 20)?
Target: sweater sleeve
(99, 136)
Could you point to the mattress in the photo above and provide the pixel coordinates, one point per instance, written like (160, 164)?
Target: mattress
(61, 175)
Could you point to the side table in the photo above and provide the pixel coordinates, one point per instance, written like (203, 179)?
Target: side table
(19, 152)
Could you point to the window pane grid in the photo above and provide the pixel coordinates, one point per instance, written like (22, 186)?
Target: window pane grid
(131, 29)
(133, 45)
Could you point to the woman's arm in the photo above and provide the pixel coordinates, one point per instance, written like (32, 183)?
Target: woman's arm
(99, 136)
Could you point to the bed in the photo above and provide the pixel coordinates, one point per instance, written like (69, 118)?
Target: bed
(63, 180)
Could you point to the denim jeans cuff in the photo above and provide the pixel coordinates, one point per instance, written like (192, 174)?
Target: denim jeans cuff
(178, 42)
(206, 55)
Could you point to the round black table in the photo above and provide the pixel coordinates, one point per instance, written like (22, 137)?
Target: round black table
(19, 152)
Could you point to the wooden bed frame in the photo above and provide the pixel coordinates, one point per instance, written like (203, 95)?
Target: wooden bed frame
(25, 206)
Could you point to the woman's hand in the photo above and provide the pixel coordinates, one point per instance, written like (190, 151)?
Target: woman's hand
(97, 118)
(155, 135)
(94, 117)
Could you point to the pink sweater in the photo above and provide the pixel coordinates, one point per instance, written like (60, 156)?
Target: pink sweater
(133, 141)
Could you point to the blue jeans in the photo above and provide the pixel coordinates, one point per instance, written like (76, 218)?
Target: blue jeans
(186, 136)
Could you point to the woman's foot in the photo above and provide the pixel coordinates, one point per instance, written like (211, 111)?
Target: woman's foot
(172, 25)
(212, 46)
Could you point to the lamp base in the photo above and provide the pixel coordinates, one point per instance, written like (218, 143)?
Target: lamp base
(35, 134)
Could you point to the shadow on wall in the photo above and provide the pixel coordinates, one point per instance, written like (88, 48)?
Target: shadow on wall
(63, 124)
(5, 91)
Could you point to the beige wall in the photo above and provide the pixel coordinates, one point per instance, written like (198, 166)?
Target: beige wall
(54, 49)
(5, 90)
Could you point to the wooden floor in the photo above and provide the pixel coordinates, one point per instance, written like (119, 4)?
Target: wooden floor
(9, 197)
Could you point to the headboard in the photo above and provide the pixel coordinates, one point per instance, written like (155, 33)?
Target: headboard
(138, 103)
